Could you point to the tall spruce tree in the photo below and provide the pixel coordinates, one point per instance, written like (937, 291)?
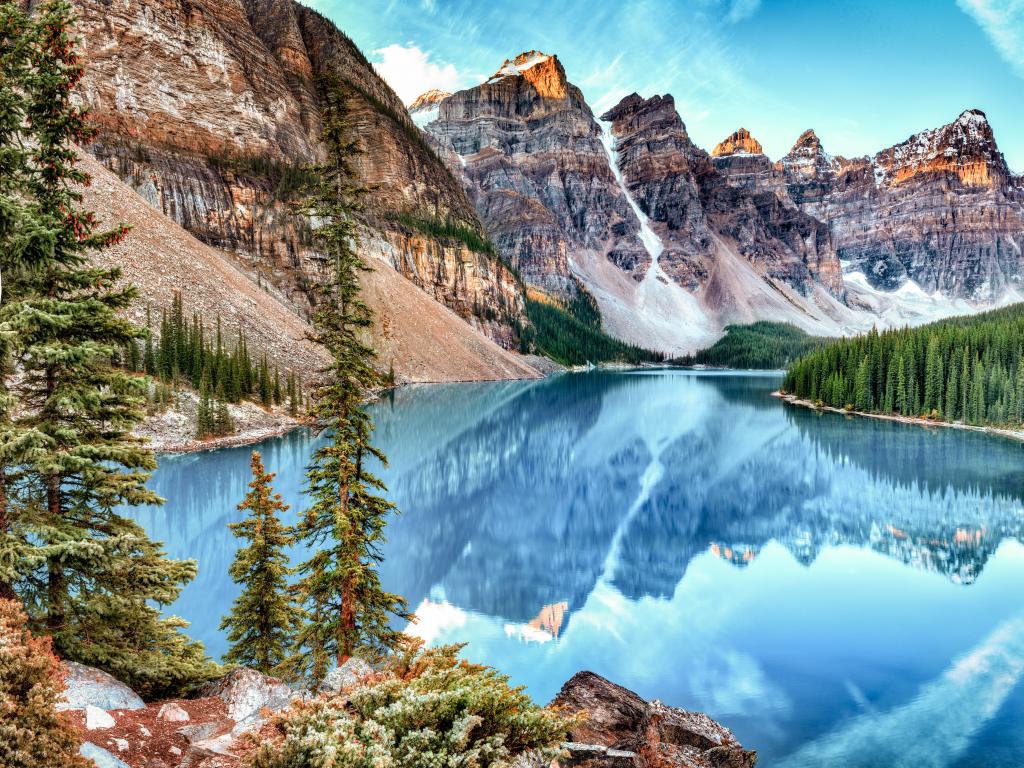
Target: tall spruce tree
(22, 243)
(263, 619)
(88, 576)
(344, 527)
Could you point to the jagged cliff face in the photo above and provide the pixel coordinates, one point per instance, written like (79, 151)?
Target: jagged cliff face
(208, 110)
(660, 166)
(530, 152)
(631, 208)
(704, 206)
(941, 209)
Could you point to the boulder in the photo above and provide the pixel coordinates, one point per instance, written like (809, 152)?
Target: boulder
(101, 757)
(614, 715)
(96, 718)
(346, 675)
(621, 730)
(86, 686)
(172, 713)
(248, 694)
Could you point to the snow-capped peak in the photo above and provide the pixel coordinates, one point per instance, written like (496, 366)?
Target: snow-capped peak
(427, 106)
(966, 147)
(432, 97)
(515, 67)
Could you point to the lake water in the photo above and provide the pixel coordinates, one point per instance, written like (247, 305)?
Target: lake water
(838, 591)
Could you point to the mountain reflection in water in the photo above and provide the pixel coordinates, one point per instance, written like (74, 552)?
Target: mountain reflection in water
(800, 576)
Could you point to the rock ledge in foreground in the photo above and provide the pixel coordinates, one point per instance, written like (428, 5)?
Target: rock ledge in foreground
(621, 730)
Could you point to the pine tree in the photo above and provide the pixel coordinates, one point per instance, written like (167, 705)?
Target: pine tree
(344, 528)
(92, 578)
(204, 412)
(32, 733)
(263, 619)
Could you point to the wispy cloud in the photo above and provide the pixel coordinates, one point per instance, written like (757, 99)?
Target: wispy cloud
(743, 9)
(1003, 22)
(410, 71)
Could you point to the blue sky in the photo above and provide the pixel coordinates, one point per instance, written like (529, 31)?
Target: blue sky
(865, 74)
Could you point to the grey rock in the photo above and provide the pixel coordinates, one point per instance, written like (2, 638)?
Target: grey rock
(101, 757)
(86, 686)
(96, 718)
(172, 713)
(345, 676)
(248, 694)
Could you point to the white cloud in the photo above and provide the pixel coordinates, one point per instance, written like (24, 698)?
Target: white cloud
(743, 9)
(1003, 22)
(410, 71)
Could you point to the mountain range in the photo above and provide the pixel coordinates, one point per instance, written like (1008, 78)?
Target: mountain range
(208, 112)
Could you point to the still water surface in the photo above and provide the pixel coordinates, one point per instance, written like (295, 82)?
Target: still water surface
(838, 591)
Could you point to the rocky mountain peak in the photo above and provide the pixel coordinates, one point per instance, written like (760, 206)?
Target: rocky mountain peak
(739, 143)
(635, 112)
(807, 159)
(430, 98)
(808, 143)
(542, 70)
(965, 148)
(427, 106)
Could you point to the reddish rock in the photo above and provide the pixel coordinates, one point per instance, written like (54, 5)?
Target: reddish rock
(739, 143)
(207, 110)
(621, 729)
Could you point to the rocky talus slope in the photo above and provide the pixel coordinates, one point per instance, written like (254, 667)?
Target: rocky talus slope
(208, 110)
(423, 339)
(215, 729)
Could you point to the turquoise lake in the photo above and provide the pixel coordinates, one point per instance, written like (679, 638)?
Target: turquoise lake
(837, 591)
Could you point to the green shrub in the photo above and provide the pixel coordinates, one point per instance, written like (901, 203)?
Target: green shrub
(426, 709)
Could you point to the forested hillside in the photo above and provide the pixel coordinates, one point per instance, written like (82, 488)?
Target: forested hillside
(762, 345)
(571, 334)
(964, 369)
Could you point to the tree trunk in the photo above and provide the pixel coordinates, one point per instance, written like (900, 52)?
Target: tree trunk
(6, 588)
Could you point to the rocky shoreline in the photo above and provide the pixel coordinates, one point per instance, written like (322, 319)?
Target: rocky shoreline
(1012, 434)
(228, 717)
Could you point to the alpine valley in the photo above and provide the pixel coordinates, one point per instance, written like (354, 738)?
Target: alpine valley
(515, 188)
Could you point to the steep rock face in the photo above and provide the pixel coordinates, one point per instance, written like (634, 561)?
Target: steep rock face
(941, 209)
(657, 161)
(531, 153)
(424, 340)
(737, 195)
(209, 110)
(741, 160)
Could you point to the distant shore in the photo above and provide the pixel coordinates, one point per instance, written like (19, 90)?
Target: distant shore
(1012, 434)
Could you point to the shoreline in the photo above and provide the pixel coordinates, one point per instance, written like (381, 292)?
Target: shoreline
(249, 437)
(1011, 434)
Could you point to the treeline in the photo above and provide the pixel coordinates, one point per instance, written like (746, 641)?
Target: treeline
(186, 352)
(572, 335)
(436, 227)
(761, 345)
(964, 369)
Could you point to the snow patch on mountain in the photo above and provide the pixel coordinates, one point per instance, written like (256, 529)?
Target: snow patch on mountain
(517, 66)
(672, 316)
